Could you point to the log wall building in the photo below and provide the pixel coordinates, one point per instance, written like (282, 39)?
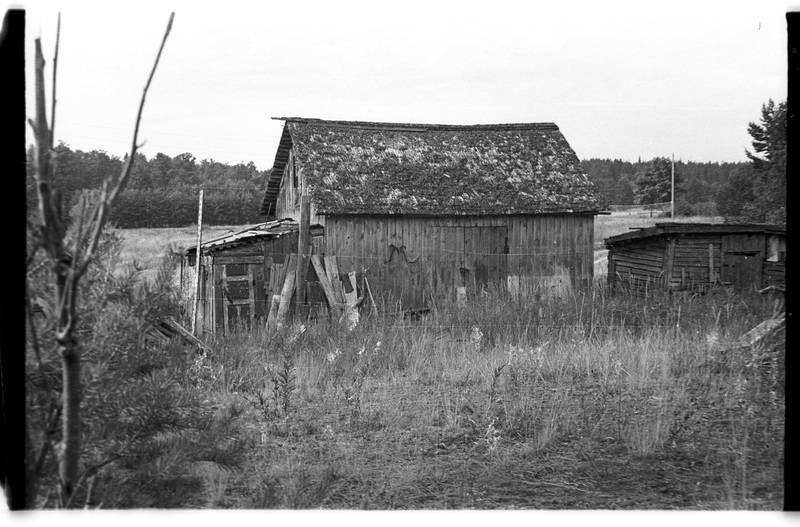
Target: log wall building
(695, 257)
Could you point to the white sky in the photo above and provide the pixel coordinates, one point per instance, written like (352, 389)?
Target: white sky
(621, 79)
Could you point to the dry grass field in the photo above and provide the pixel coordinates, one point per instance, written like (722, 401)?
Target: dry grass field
(579, 403)
(591, 401)
(146, 247)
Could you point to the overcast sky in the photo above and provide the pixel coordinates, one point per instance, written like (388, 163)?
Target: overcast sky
(621, 79)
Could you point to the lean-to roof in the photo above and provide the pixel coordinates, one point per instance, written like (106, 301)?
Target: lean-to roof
(693, 229)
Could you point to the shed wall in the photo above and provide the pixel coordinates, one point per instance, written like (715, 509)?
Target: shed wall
(697, 262)
(774, 274)
(639, 267)
(237, 282)
(410, 259)
(680, 263)
(693, 262)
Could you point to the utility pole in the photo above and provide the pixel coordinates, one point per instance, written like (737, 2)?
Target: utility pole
(672, 213)
(197, 265)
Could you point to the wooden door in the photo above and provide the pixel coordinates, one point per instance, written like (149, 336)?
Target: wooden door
(742, 256)
(243, 294)
(484, 266)
(474, 258)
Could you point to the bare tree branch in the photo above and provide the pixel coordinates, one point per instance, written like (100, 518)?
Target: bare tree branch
(55, 67)
(34, 336)
(52, 231)
(68, 268)
(76, 251)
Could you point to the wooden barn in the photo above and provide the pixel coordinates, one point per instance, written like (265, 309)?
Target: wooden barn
(239, 273)
(696, 256)
(435, 211)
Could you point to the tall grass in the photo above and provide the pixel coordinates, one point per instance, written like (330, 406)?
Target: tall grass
(409, 411)
(481, 405)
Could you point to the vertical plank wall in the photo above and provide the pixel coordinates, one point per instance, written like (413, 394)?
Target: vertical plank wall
(409, 259)
(742, 260)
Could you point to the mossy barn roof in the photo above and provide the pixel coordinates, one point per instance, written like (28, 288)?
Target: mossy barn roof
(388, 168)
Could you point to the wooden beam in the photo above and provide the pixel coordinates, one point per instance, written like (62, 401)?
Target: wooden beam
(176, 327)
(251, 291)
(371, 298)
(303, 249)
(272, 317)
(286, 292)
(332, 270)
(669, 261)
(330, 294)
(711, 263)
(249, 260)
(281, 276)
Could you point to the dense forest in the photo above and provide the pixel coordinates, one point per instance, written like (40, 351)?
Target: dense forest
(697, 185)
(163, 191)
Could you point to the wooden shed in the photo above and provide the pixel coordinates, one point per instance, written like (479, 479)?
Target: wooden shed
(429, 211)
(239, 273)
(696, 256)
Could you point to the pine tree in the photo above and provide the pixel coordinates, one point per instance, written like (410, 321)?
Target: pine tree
(769, 165)
(654, 184)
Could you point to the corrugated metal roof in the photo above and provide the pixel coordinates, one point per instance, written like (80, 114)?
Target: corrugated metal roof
(275, 228)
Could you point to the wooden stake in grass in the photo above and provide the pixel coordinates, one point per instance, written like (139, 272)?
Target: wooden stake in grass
(371, 298)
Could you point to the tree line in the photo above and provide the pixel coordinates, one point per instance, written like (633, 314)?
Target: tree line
(697, 185)
(162, 191)
(752, 191)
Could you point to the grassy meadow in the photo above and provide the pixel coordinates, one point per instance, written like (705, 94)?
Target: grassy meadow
(591, 401)
(146, 247)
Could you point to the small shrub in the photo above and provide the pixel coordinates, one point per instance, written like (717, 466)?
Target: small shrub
(144, 427)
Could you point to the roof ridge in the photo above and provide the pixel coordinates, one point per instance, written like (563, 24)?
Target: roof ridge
(420, 127)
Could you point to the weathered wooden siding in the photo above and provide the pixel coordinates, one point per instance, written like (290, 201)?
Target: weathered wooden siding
(293, 184)
(411, 259)
(678, 262)
(743, 256)
(774, 273)
(694, 262)
(237, 282)
(641, 267)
